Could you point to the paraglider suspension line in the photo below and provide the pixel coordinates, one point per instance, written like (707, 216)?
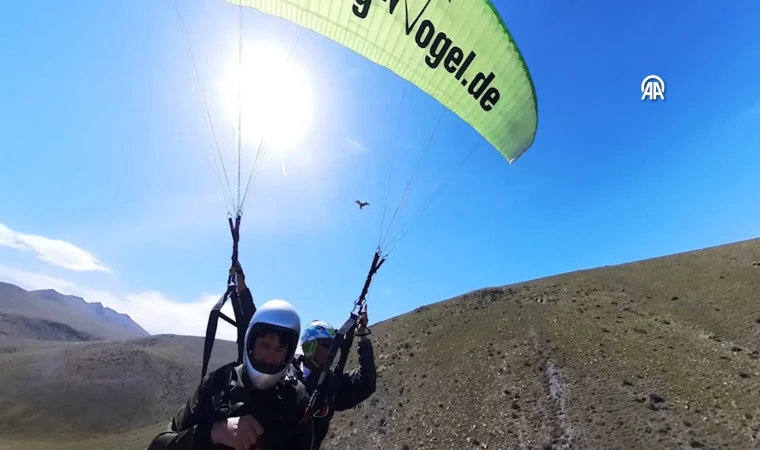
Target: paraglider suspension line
(235, 232)
(242, 317)
(377, 262)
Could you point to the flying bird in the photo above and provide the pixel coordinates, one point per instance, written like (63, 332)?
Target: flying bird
(362, 204)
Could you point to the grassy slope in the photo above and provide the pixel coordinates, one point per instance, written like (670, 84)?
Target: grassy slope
(95, 389)
(656, 354)
(131, 440)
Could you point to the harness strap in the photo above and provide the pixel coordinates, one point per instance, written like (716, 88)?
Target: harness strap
(241, 310)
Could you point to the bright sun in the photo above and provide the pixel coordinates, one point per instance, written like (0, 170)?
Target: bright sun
(273, 95)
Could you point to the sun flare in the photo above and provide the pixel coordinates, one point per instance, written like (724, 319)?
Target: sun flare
(270, 95)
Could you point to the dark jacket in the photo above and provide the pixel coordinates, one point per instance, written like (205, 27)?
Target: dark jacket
(226, 392)
(348, 390)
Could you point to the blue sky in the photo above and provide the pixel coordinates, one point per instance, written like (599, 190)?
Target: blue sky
(104, 149)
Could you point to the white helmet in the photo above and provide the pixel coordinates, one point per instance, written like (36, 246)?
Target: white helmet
(273, 316)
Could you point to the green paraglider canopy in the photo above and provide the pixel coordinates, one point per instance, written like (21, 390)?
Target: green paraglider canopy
(458, 51)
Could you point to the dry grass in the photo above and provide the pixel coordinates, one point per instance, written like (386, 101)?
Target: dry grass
(657, 354)
(660, 354)
(95, 389)
(132, 440)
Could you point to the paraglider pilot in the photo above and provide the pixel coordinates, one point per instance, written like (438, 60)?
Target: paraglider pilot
(351, 388)
(258, 404)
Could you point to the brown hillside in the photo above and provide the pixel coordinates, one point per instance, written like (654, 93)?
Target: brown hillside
(658, 354)
(91, 389)
(655, 354)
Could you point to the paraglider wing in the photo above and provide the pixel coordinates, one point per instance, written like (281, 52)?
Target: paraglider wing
(458, 51)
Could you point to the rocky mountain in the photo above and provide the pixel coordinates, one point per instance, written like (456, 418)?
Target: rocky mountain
(49, 315)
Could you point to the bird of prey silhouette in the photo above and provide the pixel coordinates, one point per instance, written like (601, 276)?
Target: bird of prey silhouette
(362, 204)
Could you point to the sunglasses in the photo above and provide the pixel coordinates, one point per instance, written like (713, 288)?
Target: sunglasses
(310, 347)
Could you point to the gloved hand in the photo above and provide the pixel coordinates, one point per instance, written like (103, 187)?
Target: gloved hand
(361, 329)
(237, 271)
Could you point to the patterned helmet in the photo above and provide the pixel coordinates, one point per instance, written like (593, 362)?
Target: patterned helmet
(315, 331)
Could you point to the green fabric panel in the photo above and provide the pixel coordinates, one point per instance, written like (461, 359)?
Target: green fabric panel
(458, 51)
